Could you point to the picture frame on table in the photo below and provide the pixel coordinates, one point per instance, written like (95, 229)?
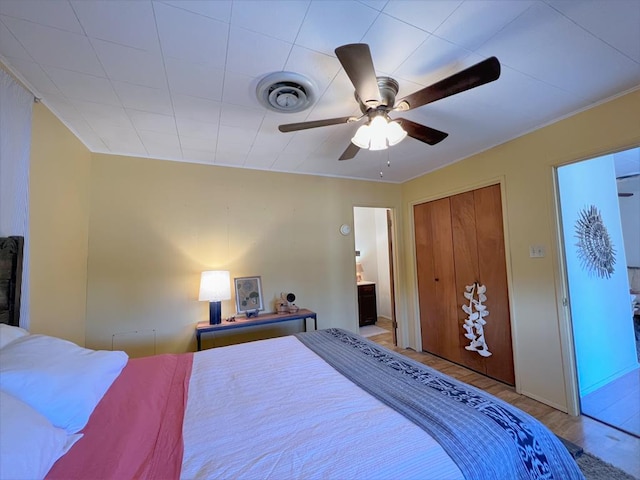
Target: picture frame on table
(248, 294)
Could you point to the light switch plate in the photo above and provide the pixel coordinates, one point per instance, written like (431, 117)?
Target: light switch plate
(536, 251)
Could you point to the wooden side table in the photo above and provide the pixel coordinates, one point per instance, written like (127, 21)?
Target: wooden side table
(264, 319)
(367, 304)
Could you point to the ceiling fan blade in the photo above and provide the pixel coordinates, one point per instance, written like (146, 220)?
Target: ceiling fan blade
(358, 65)
(420, 132)
(293, 127)
(350, 152)
(484, 72)
(624, 177)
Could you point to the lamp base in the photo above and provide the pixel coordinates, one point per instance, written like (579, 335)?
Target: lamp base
(215, 310)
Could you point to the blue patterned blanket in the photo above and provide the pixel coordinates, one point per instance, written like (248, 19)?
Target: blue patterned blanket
(486, 437)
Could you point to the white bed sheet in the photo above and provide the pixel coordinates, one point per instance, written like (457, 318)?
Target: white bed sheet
(274, 409)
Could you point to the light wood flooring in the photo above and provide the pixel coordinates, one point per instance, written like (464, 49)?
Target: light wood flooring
(617, 403)
(609, 444)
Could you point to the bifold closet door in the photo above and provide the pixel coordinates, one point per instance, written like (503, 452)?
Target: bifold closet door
(465, 252)
(493, 274)
(436, 279)
(460, 241)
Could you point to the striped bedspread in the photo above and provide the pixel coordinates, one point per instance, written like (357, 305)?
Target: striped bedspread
(486, 437)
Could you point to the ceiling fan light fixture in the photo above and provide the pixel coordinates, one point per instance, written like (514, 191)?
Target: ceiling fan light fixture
(395, 133)
(378, 143)
(379, 134)
(378, 126)
(362, 138)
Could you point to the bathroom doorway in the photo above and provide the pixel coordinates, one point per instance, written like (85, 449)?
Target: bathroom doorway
(374, 263)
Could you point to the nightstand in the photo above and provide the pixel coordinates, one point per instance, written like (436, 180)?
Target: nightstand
(367, 306)
(263, 319)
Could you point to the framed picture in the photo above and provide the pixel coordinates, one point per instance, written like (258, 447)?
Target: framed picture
(248, 294)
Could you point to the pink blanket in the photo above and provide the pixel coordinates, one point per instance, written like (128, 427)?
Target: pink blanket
(136, 429)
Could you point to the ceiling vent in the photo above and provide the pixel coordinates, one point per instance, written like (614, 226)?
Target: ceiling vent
(286, 92)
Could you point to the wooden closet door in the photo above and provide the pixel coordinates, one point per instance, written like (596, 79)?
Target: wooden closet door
(436, 279)
(467, 270)
(493, 274)
(459, 241)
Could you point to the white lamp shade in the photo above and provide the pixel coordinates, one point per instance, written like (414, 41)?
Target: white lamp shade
(378, 142)
(362, 137)
(378, 126)
(379, 134)
(395, 133)
(215, 285)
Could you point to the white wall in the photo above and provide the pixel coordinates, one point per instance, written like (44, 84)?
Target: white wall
(600, 307)
(364, 234)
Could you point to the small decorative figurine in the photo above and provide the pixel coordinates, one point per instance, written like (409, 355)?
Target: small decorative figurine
(474, 324)
(281, 304)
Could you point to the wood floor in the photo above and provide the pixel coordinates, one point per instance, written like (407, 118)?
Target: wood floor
(617, 403)
(609, 444)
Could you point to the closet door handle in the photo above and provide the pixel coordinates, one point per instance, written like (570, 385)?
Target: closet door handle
(437, 279)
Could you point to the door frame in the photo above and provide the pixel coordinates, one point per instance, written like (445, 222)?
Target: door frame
(392, 283)
(413, 273)
(392, 240)
(563, 306)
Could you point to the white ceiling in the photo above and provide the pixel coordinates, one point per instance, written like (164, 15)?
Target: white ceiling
(177, 79)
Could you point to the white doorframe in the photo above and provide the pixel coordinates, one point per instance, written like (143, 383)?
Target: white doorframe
(563, 305)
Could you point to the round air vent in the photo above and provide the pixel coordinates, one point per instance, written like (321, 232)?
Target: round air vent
(286, 92)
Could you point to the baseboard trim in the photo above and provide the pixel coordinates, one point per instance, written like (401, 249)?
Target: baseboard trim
(562, 408)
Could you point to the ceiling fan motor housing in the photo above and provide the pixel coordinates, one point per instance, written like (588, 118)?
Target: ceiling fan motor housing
(388, 90)
(286, 92)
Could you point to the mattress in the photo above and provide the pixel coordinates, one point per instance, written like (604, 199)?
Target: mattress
(326, 404)
(274, 409)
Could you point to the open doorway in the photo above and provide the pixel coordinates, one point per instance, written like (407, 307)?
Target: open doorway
(600, 231)
(373, 234)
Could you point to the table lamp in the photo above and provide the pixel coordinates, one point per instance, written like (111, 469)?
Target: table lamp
(215, 286)
(359, 272)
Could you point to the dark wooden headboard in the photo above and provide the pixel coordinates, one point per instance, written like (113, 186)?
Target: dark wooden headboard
(10, 279)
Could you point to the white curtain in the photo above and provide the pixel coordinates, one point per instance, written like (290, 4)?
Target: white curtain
(15, 147)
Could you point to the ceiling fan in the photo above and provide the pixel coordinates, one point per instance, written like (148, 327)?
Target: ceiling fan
(376, 97)
(624, 177)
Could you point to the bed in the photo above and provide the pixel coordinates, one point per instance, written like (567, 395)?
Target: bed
(325, 404)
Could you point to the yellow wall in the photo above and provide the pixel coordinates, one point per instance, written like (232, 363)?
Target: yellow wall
(525, 167)
(152, 226)
(59, 222)
(155, 225)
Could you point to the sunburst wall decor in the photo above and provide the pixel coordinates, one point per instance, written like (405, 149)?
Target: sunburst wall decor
(595, 249)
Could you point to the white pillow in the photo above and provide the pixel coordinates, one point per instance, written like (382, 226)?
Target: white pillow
(29, 444)
(62, 381)
(8, 333)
